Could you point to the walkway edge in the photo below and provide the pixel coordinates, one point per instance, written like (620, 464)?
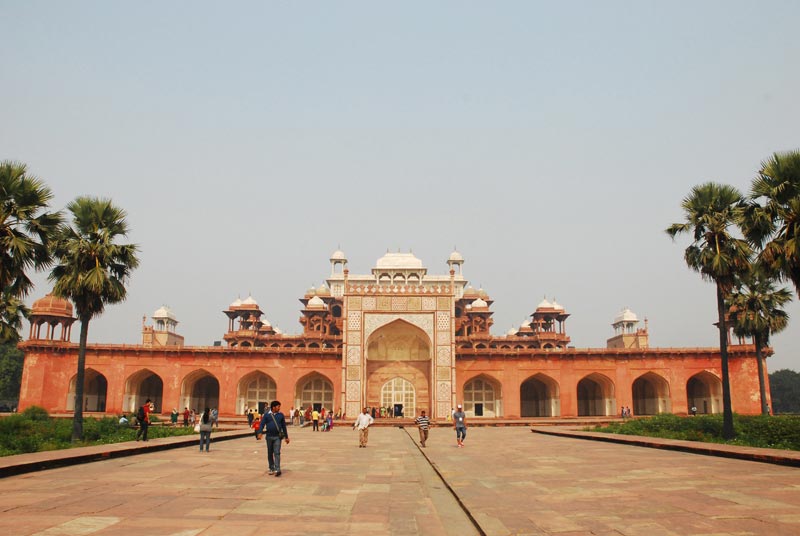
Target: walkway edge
(38, 461)
(774, 456)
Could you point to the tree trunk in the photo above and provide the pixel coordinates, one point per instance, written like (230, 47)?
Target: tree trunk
(77, 419)
(727, 411)
(762, 384)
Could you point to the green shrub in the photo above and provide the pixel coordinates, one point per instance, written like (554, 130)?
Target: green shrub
(781, 432)
(35, 413)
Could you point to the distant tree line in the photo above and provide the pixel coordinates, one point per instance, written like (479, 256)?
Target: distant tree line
(785, 387)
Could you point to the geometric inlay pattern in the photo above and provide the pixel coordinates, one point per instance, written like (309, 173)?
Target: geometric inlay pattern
(422, 321)
(443, 337)
(414, 303)
(442, 320)
(443, 391)
(442, 356)
(354, 355)
(428, 303)
(354, 391)
(354, 303)
(354, 338)
(352, 408)
(443, 304)
(353, 373)
(399, 303)
(384, 303)
(369, 303)
(354, 320)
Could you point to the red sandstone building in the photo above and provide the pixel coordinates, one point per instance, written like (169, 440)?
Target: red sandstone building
(395, 336)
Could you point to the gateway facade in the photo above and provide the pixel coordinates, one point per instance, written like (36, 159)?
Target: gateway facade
(397, 337)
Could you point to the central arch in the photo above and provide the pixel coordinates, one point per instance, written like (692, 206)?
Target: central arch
(200, 390)
(314, 390)
(539, 397)
(482, 397)
(650, 394)
(399, 350)
(399, 391)
(704, 391)
(139, 387)
(596, 396)
(256, 390)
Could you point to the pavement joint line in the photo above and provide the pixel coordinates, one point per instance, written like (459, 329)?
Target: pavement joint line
(704, 449)
(461, 504)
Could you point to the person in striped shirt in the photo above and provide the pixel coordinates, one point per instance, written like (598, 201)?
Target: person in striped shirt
(423, 423)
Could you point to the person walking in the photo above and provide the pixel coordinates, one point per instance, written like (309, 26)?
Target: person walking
(173, 417)
(143, 416)
(363, 423)
(423, 423)
(460, 425)
(206, 425)
(215, 417)
(273, 425)
(186, 416)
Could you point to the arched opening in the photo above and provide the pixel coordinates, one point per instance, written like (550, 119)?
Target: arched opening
(651, 395)
(255, 390)
(704, 391)
(139, 387)
(596, 396)
(200, 390)
(399, 350)
(482, 397)
(316, 391)
(399, 391)
(539, 397)
(95, 387)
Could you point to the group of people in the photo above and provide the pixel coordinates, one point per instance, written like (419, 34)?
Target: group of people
(625, 412)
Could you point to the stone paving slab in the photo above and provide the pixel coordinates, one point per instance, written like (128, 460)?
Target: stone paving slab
(508, 480)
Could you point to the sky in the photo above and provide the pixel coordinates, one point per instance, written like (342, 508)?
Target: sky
(550, 143)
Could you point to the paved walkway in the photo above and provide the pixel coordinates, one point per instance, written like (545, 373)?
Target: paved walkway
(508, 480)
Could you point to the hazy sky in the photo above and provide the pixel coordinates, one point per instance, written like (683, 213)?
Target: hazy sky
(552, 143)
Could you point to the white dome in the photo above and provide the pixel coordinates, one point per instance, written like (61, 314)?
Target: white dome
(512, 331)
(237, 303)
(250, 301)
(278, 331)
(470, 290)
(525, 323)
(338, 255)
(626, 315)
(265, 323)
(316, 303)
(323, 289)
(557, 306)
(163, 313)
(399, 261)
(479, 303)
(544, 304)
(456, 257)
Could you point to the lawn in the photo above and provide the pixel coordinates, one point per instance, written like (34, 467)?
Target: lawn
(776, 432)
(34, 430)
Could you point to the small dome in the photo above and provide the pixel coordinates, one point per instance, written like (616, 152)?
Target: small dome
(557, 306)
(164, 313)
(455, 256)
(511, 332)
(312, 291)
(482, 293)
(323, 290)
(316, 303)
(265, 323)
(52, 306)
(544, 304)
(399, 261)
(626, 315)
(338, 255)
(237, 303)
(470, 291)
(250, 301)
(479, 303)
(525, 323)
(278, 331)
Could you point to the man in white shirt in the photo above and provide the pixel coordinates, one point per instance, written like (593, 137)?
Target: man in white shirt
(362, 423)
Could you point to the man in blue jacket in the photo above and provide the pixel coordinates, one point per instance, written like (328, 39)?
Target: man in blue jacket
(273, 426)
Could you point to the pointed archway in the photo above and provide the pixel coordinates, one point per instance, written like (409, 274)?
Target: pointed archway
(539, 397)
(401, 350)
(200, 390)
(314, 390)
(140, 386)
(95, 389)
(255, 390)
(482, 397)
(596, 396)
(650, 395)
(704, 392)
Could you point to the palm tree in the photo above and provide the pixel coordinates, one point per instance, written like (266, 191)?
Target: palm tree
(775, 226)
(712, 210)
(91, 270)
(756, 311)
(25, 232)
